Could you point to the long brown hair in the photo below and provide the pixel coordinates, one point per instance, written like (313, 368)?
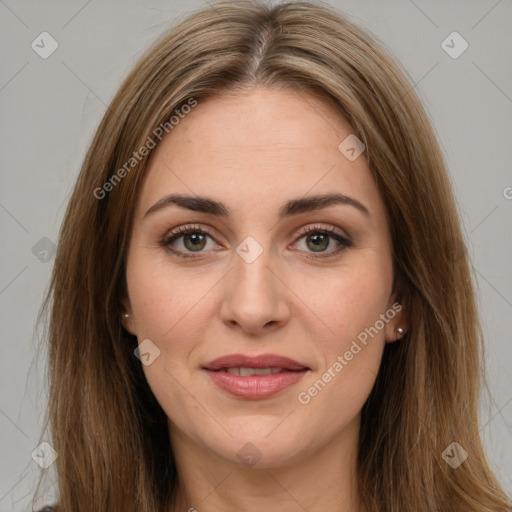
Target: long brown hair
(107, 427)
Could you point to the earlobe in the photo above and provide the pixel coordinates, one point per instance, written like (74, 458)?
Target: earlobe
(395, 334)
(398, 327)
(127, 322)
(399, 333)
(127, 317)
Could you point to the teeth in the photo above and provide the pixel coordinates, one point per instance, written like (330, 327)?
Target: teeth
(247, 372)
(262, 371)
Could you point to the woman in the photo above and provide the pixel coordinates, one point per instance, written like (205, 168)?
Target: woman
(261, 298)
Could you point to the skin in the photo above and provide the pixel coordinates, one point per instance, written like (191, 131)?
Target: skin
(255, 151)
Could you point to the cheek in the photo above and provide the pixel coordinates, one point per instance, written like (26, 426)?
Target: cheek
(161, 298)
(166, 305)
(345, 301)
(351, 306)
(169, 307)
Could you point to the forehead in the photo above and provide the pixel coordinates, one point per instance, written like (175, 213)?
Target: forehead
(260, 119)
(261, 145)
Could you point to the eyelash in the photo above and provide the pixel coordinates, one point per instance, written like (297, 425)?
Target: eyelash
(194, 229)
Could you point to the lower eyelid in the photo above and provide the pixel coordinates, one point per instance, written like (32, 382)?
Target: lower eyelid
(168, 240)
(343, 242)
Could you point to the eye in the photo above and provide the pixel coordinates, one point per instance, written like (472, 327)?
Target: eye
(193, 239)
(318, 239)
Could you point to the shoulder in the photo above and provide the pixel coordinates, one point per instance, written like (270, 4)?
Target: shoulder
(47, 509)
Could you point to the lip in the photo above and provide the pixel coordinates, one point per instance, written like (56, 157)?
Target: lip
(259, 361)
(255, 387)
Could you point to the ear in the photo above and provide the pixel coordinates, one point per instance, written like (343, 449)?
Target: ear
(127, 318)
(398, 317)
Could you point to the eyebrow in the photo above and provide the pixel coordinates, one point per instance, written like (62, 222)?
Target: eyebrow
(292, 207)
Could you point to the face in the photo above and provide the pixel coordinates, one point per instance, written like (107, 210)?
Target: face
(298, 292)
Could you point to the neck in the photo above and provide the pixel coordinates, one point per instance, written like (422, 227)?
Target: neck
(324, 479)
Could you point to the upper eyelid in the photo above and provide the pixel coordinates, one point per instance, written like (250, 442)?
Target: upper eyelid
(320, 227)
(343, 239)
(341, 236)
(298, 232)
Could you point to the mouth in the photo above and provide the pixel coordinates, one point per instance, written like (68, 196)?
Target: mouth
(247, 372)
(255, 377)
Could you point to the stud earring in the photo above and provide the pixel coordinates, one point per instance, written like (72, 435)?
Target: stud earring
(399, 332)
(126, 315)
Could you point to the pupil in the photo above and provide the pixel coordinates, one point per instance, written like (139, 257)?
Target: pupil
(192, 241)
(197, 238)
(319, 240)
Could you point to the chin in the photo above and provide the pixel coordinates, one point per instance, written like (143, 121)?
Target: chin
(260, 444)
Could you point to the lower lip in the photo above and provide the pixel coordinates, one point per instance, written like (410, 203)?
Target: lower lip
(255, 387)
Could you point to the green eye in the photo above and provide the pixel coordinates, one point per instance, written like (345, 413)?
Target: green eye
(195, 239)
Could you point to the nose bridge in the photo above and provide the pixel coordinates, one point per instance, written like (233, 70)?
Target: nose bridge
(252, 262)
(253, 297)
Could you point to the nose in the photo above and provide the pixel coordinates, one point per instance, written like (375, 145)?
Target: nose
(255, 298)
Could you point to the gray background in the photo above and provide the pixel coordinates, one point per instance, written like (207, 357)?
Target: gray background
(51, 107)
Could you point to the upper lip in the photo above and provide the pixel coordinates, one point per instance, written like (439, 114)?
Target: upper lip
(258, 361)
